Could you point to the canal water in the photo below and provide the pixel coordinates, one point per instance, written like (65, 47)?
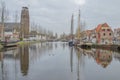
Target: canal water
(58, 61)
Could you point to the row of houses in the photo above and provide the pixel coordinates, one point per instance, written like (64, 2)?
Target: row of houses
(102, 34)
(12, 31)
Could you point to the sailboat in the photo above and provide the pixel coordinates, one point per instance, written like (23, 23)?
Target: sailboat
(71, 42)
(6, 41)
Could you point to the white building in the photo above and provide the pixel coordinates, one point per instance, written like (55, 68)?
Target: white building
(116, 36)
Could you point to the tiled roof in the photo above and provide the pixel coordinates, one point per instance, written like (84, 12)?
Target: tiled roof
(105, 25)
(100, 26)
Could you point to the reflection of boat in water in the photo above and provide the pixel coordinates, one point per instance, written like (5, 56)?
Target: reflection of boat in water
(10, 53)
(8, 49)
(9, 43)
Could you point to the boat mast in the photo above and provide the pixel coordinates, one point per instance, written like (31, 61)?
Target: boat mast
(2, 19)
(79, 31)
(72, 26)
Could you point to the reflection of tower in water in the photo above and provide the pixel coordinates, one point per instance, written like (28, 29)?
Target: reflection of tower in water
(24, 59)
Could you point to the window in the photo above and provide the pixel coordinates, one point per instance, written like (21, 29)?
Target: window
(110, 34)
(108, 29)
(103, 34)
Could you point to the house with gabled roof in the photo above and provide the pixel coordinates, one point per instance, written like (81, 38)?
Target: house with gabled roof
(104, 34)
(89, 36)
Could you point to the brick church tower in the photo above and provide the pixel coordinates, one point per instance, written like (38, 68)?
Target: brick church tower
(24, 33)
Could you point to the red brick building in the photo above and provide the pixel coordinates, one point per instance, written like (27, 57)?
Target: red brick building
(104, 34)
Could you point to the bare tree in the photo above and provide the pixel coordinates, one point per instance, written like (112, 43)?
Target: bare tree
(4, 16)
(4, 13)
(32, 25)
(16, 28)
(83, 26)
(56, 35)
(16, 17)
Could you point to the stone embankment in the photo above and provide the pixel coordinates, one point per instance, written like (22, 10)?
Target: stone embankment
(108, 47)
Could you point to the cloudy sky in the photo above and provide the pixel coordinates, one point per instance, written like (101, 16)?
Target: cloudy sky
(55, 15)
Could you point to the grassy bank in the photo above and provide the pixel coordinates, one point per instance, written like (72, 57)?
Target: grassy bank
(27, 42)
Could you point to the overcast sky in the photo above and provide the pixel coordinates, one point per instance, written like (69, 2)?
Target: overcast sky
(55, 15)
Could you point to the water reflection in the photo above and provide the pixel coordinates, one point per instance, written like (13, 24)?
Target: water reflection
(56, 61)
(117, 56)
(64, 45)
(80, 63)
(1, 61)
(71, 58)
(103, 57)
(24, 59)
(55, 45)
